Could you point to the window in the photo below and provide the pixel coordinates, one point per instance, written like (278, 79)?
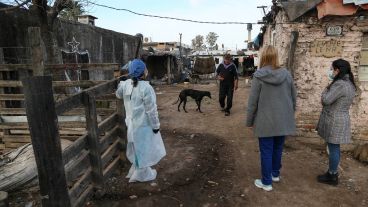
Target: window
(363, 68)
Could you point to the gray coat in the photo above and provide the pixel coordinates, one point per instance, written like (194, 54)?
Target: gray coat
(272, 102)
(334, 121)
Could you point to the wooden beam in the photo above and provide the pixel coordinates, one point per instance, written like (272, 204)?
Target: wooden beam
(103, 88)
(84, 66)
(78, 167)
(43, 123)
(291, 56)
(111, 151)
(55, 84)
(69, 103)
(108, 123)
(80, 186)
(2, 56)
(74, 111)
(109, 138)
(83, 198)
(168, 70)
(15, 67)
(74, 149)
(111, 168)
(93, 143)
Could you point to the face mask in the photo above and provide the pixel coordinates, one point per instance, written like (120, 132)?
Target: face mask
(330, 75)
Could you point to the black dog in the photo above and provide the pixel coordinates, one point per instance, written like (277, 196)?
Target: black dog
(195, 94)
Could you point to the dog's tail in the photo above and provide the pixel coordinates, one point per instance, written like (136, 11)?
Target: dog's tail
(176, 101)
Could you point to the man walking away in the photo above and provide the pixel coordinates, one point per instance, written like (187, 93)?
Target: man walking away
(227, 73)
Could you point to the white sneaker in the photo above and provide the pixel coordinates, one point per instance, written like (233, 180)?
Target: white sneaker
(276, 179)
(259, 184)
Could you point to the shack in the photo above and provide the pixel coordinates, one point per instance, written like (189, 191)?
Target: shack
(309, 35)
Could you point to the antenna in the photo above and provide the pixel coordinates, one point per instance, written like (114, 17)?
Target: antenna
(264, 9)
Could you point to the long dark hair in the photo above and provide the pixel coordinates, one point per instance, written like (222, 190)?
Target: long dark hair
(344, 68)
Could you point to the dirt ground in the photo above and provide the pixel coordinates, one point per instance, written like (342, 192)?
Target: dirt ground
(212, 160)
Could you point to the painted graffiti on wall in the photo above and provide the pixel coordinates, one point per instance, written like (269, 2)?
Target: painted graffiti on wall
(326, 48)
(72, 57)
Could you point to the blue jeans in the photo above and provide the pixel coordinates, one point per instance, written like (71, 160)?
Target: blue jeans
(271, 153)
(334, 157)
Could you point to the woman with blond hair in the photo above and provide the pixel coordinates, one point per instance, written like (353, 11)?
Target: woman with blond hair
(271, 108)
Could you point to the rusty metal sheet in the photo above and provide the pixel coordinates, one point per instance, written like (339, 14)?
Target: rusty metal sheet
(339, 8)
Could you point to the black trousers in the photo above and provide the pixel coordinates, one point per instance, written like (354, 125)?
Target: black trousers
(226, 92)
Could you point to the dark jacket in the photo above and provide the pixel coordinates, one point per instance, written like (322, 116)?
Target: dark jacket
(272, 103)
(230, 73)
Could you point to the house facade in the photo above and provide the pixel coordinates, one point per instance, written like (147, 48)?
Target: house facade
(309, 35)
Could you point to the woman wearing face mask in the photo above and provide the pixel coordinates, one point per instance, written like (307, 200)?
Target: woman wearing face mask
(334, 122)
(145, 147)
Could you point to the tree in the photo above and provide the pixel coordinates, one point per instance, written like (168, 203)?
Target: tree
(197, 42)
(72, 11)
(211, 39)
(46, 12)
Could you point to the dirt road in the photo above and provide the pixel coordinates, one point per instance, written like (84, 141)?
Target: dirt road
(212, 160)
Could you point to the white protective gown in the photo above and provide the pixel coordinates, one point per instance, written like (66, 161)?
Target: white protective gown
(144, 148)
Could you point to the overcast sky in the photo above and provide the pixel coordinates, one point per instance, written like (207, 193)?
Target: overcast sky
(163, 30)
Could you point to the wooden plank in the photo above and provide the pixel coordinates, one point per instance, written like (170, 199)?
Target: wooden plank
(2, 146)
(109, 170)
(84, 197)
(74, 111)
(15, 67)
(24, 125)
(108, 123)
(55, 84)
(291, 56)
(80, 186)
(15, 97)
(111, 151)
(13, 145)
(42, 119)
(68, 103)
(1, 56)
(16, 138)
(74, 149)
(55, 67)
(78, 167)
(103, 88)
(93, 139)
(27, 138)
(109, 138)
(84, 66)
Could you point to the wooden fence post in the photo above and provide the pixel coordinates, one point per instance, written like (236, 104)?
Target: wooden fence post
(93, 143)
(291, 56)
(37, 52)
(123, 130)
(2, 56)
(43, 125)
(168, 69)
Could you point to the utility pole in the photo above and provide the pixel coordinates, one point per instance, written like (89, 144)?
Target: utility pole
(180, 46)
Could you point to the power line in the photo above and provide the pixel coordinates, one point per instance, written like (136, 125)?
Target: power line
(171, 18)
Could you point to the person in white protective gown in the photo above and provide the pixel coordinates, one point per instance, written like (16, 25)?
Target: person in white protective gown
(145, 147)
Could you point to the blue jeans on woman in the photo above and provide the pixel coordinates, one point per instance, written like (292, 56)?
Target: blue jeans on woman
(271, 153)
(334, 157)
